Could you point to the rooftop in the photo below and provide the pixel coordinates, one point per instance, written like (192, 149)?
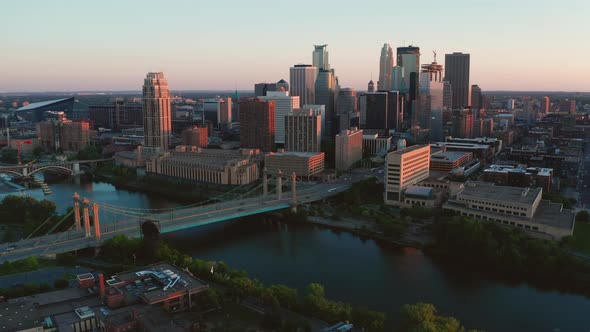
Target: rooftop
(294, 154)
(157, 282)
(489, 191)
(18, 316)
(41, 104)
(418, 191)
(410, 149)
(554, 215)
(449, 156)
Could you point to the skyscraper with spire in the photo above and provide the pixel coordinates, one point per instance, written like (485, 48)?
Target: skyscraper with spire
(157, 122)
(320, 57)
(385, 68)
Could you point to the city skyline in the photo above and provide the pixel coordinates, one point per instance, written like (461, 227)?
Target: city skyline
(61, 48)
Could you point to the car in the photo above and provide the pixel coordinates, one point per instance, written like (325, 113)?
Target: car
(11, 248)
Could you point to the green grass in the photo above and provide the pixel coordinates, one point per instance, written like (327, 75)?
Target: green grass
(581, 239)
(233, 317)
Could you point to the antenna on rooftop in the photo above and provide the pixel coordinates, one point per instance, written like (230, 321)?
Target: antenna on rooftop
(434, 51)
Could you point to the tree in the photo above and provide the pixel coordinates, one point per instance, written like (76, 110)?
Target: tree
(9, 156)
(583, 216)
(61, 283)
(422, 317)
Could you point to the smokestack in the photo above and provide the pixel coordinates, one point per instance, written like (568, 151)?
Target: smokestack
(101, 285)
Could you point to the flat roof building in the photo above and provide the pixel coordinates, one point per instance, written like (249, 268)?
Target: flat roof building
(349, 148)
(513, 206)
(447, 161)
(376, 145)
(303, 131)
(304, 164)
(227, 167)
(404, 168)
(519, 176)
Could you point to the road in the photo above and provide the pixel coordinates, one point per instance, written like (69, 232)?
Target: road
(168, 222)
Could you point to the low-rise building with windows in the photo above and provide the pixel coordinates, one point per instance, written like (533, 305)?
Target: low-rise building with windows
(304, 164)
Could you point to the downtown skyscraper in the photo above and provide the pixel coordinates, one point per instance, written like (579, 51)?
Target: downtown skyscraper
(302, 83)
(385, 68)
(409, 59)
(320, 57)
(157, 121)
(457, 73)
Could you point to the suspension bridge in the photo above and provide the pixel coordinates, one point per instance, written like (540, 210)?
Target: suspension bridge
(96, 222)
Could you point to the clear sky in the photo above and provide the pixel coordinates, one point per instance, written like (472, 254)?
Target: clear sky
(50, 45)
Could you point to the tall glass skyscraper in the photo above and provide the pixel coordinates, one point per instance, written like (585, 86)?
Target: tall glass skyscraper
(325, 94)
(157, 121)
(409, 59)
(385, 68)
(302, 82)
(320, 57)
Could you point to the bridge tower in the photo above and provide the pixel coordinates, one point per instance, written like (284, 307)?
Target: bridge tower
(293, 192)
(76, 168)
(77, 211)
(279, 184)
(85, 204)
(96, 221)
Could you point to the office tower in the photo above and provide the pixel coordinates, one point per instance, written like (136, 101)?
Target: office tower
(404, 168)
(321, 110)
(282, 85)
(116, 115)
(409, 59)
(371, 86)
(545, 105)
(476, 97)
(397, 79)
(157, 121)
(302, 78)
(349, 148)
(257, 124)
(462, 123)
(385, 68)
(57, 132)
(195, 136)
(260, 89)
(381, 110)
(320, 57)
(284, 104)
(431, 95)
(510, 104)
(325, 94)
(225, 111)
(447, 95)
(303, 131)
(567, 106)
(457, 73)
(346, 106)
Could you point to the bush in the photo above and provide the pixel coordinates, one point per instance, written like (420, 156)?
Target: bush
(61, 283)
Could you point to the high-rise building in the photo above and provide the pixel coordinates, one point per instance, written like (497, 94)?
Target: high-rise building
(409, 59)
(321, 110)
(381, 110)
(157, 120)
(462, 120)
(325, 94)
(567, 106)
(385, 68)
(225, 111)
(284, 104)
(457, 72)
(404, 168)
(431, 95)
(397, 79)
(60, 133)
(371, 86)
(320, 57)
(282, 85)
(257, 124)
(476, 97)
(510, 104)
(447, 95)
(349, 148)
(303, 131)
(195, 136)
(545, 105)
(346, 105)
(483, 127)
(302, 78)
(260, 89)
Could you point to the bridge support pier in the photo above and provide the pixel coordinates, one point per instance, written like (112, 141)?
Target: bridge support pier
(77, 211)
(85, 203)
(279, 184)
(76, 168)
(25, 172)
(293, 192)
(96, 221)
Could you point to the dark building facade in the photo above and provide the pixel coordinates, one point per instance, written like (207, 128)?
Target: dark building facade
(457, 73)
(257, 124)
(381, 110)
(118, 115)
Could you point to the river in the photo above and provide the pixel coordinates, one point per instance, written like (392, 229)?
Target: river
(356, 270)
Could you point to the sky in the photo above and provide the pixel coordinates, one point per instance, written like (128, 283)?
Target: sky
(71, 45)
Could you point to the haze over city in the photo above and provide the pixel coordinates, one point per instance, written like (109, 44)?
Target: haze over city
(110, 45)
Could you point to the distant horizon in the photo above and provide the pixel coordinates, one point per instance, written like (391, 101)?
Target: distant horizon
(66, 46)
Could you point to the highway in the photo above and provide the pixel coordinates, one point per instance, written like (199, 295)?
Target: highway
(169, 221)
